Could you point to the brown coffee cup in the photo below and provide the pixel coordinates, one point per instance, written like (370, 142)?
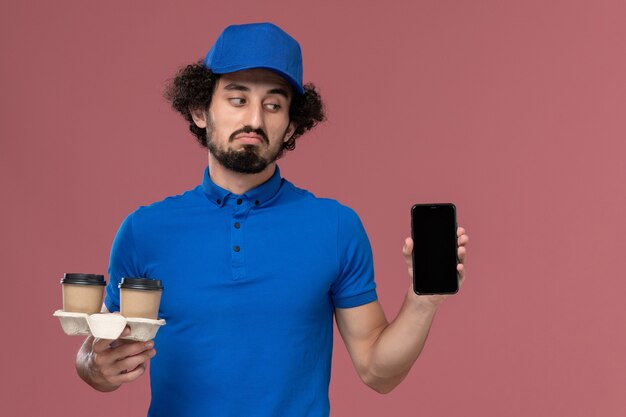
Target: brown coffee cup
(82, 293)
(140, 297)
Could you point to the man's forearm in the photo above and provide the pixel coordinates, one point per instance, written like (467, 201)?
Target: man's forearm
(399, 344)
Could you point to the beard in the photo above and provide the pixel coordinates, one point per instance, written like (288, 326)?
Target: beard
(247, 159)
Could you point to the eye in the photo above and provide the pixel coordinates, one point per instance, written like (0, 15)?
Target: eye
(237, 101)
(273, 107)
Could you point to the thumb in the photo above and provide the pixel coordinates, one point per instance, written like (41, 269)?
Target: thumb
(407, 249)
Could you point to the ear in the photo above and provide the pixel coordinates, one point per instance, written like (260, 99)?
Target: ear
(290, 131)
(199, 117)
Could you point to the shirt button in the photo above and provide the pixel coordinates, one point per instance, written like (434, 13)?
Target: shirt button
(256, 202)
(239, 201)
(237, 225)
(237, 248)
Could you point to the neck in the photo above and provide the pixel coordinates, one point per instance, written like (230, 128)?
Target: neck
(236, 182)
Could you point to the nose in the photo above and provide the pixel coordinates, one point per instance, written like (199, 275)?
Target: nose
(254, 116)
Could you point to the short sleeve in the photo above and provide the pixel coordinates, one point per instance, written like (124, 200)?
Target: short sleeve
(123, 262)
(355, 284)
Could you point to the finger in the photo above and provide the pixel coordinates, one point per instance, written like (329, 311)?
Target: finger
(126, 331)
(461, 270)
(128, 364)
(131, 348)
(130, 376)
(101, 345)
(120, 341)
(460, 231)
(462, 240)
(461, 254)
(122, 350)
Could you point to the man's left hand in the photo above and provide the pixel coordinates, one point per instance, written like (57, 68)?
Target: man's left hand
(407, 251)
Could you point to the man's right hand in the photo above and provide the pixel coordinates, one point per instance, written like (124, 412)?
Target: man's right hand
(106, 364)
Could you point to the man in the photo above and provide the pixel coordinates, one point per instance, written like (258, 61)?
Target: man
(254, 268)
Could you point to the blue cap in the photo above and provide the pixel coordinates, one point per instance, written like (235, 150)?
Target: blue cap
(257, 45)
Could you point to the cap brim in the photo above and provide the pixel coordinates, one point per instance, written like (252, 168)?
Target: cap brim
(234, 68)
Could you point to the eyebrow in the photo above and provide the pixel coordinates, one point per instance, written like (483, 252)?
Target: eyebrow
(238, 87)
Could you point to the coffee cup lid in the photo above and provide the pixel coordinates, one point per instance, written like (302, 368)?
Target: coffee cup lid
(141, 284)
(83, 279)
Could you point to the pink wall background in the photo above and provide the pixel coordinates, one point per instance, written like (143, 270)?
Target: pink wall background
(512, 110)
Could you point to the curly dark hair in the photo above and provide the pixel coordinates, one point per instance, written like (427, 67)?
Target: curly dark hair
(193, 85)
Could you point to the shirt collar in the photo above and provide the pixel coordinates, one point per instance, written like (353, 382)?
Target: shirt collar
(257, 196)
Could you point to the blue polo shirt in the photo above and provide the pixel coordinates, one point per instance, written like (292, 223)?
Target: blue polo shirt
(251, 283)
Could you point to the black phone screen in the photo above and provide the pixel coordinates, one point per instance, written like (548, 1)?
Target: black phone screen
(433, 229)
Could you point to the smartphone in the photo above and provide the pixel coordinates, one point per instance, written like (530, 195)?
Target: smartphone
(433, 229)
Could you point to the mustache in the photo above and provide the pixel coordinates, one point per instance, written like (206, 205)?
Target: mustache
(249, 129)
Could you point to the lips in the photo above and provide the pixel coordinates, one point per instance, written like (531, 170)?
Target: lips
(248, 135)
(249, 139)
